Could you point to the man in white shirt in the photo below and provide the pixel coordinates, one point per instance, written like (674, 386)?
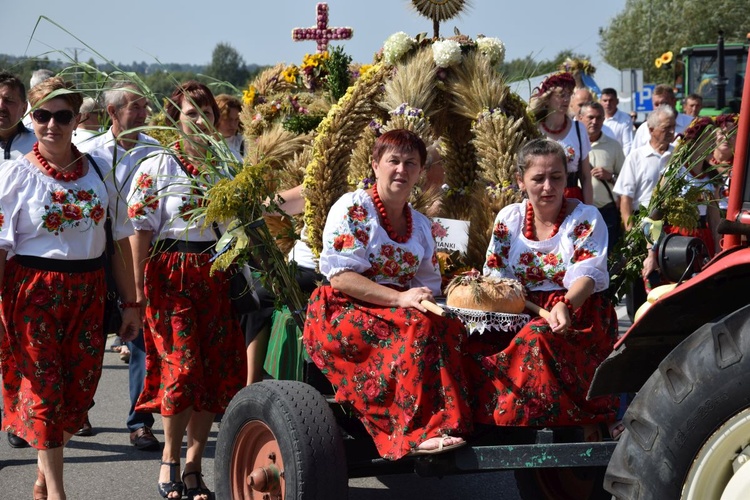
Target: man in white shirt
(663, 94)
(644, 165)
(606, 159)
(639, 176)
(122, 149)
(15, 139)
(617, 124)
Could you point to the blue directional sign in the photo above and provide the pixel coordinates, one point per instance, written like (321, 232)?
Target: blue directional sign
(644, 99)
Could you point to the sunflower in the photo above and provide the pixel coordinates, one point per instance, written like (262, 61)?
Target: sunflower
(657, 62)
(439, 10)
(290, 74)
(667, 57)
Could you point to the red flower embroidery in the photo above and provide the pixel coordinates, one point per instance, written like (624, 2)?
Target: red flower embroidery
(387, 251)
(493, 262)
(2, 221)
(53, 221)
(144, 181)
(97, 213)
(151, 202)
(526, 258)
(582, 230)
(581, 254)
(535, 273)
(391, 268)
(136, 210)
(357, 213)
(374, 268)
(59, 196)
(551, 259)
(72, 212)
(410, 259)
(343, 241)
(362, 236)
(84, 195)
(558, 278)
(500, 231)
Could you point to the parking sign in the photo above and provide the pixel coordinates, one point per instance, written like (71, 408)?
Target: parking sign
(644, 99)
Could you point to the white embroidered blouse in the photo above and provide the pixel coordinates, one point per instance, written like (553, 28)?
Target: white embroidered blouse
(354, 240)
(43, 217)
(578, 249)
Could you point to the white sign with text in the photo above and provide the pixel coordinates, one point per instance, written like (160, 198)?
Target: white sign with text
(450, 235)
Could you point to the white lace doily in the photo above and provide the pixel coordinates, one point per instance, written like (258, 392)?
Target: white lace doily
(477, 321)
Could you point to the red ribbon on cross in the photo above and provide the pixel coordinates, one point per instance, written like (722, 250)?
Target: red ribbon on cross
(321, 33)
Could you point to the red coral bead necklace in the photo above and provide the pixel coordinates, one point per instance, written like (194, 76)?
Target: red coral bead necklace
(530, 231)
(555, 131)
(386, 221)
(76, 174)
(188, 166)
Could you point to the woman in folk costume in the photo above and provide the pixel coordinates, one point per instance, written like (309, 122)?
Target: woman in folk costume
(398, 366)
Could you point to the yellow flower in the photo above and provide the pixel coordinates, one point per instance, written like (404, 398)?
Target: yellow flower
(658, 62)
(248, 96)
(667, 57)
(314, 60)
(364, 69)
(290, 74)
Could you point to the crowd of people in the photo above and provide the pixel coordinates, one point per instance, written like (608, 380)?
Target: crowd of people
(110, 213)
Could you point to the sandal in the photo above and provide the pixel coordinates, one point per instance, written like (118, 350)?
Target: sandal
(40, 486)
(172, 485)
(191, 493)
(441, 448)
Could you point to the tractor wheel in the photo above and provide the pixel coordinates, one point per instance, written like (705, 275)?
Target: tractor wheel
(279, 440)
(690, 422)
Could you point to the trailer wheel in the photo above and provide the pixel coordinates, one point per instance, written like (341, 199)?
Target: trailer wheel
(280, 440)
(562, 483)
(690, 420)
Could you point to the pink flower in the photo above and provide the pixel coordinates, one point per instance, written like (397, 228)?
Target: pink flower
(372, 388)
(381, 330)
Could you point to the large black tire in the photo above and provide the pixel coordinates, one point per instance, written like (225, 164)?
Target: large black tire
(300, 423)
(569, 483)
(691, 403)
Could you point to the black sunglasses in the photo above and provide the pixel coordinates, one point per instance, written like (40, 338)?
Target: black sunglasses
(62, 117)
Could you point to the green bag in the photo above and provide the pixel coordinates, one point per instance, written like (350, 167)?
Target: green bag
(285, 356)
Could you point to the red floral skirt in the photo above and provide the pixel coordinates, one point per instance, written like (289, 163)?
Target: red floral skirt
(399, 369)
(51, 356)
(539, 378)
(195, 350)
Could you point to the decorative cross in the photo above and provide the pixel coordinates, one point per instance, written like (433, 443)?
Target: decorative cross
(321, 33)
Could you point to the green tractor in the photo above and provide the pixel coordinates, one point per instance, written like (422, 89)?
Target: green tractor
(716, 72)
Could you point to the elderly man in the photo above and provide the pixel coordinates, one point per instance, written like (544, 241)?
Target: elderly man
(693, 105)
(617, 124)
(125, 147)
(663, 94)
(581, 95)
(15, 139)
(606, 159)
(639, 176)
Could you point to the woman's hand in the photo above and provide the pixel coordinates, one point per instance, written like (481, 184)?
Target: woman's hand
(559, 318)
(131, 324)
(649, 264)
(413, 297)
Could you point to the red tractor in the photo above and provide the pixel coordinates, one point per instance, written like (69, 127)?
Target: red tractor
(687, 434)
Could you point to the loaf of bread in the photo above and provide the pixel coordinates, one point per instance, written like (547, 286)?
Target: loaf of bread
(485, 293)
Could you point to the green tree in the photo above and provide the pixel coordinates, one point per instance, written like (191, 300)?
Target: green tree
(227, 65)
(646, 29)
(528, 67)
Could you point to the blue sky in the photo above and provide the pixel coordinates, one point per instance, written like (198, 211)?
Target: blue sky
(187, 31)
